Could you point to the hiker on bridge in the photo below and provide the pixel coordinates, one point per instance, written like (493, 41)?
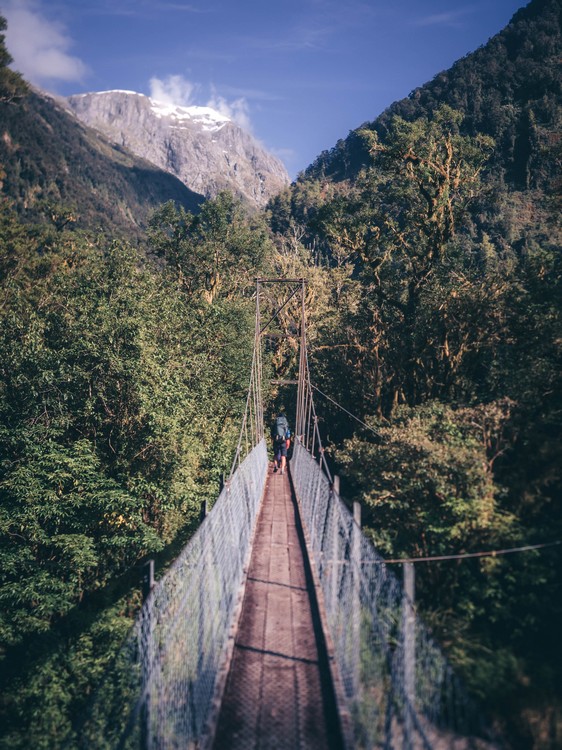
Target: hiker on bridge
(281, 438)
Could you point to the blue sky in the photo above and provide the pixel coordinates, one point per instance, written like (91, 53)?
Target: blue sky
(299, 73)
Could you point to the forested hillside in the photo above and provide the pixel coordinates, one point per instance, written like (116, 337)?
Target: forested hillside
(54, 165)
(431, 239)
(508, 89)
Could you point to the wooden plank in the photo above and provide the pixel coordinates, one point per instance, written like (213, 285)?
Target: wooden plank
(280, 698)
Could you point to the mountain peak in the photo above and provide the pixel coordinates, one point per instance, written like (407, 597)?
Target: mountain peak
(207, 117)
(204, 148)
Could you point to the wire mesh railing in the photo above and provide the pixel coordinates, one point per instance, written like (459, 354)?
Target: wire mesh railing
(398, 688)
(161, 691)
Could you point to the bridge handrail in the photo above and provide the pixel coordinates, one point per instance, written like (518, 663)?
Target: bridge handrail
(417, 704)
(160, 692)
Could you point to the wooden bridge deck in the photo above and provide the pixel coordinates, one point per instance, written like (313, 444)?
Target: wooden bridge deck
(278, 692)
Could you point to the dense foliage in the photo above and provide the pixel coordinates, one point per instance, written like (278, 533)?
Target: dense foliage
(121, 393)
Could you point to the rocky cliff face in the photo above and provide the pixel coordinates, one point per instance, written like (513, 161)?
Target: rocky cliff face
(204, 149)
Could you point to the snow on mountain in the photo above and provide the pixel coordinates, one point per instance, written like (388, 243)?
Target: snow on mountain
(204, 148)
(208, 118)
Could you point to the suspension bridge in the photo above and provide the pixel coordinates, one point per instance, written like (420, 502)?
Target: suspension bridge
(279, 625)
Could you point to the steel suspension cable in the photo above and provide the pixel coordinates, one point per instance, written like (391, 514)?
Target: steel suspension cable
(345, 410)
(254, 401)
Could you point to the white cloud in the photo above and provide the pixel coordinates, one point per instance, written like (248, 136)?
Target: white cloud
(173, 90)
(285, 154)
(40, 46)
(238, 110)
(453, 18)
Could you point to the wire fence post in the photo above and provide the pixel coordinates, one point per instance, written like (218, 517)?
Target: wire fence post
(147, 582)
(356, 606)
(409, 651)
(336, 484)
(333, 511)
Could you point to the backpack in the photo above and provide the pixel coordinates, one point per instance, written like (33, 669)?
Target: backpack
(281, 427)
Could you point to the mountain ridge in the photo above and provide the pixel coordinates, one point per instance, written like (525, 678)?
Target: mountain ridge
(494, 105)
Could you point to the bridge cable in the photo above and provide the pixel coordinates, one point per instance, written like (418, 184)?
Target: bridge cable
(252, 428)
(346, 411)
(307, 429)
(465, 555)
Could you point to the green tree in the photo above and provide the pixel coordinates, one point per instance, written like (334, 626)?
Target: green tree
(12, 85)
(120, 398)
(427, 481)
(424, 177)
(218, 252)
